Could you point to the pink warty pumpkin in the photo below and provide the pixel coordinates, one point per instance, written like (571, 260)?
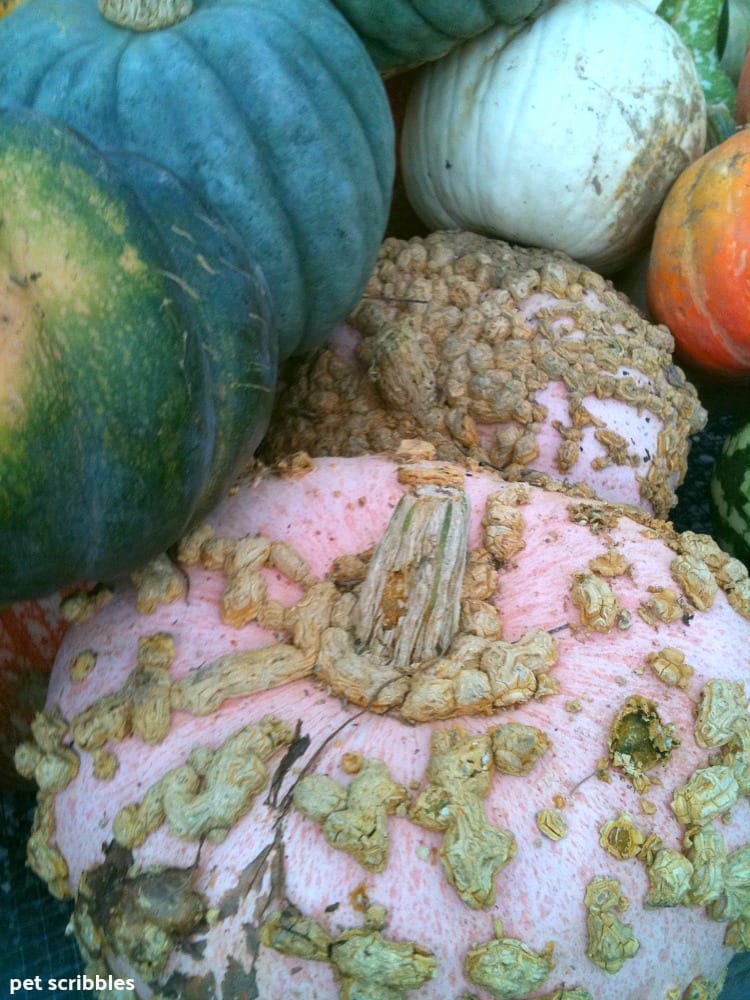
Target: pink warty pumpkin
(517, 357)
(394, 728)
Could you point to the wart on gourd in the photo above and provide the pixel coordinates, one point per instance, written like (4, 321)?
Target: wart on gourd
(364, 957)
(610, 941)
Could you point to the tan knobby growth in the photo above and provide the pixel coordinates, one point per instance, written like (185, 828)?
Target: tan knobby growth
(597, 603)
(205, 796)
(517, 747)
(639, 740)
(458, 336)
(670, 667)
(354, 818)
(669, 876)
(473, 851)
(710, 793)
(610, 941)
(46, 759)
(621, 838)
(551, 824)
(53, 765)
(139, 914)
(367, 963)
(704, 989)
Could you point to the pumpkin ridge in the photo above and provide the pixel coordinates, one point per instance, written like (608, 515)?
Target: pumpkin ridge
(432, 24)
(264, 156)
(308, 268)
(693, 266)
(331, 67)
(395, 55)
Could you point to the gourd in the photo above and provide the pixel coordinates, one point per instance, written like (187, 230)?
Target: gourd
(137, 361)
(699, 24)
(270, 109)
(729, 494)
(398, 696)
(485, 147)
(734, 37)
(402, 33)
(519, 358)
(697, 279)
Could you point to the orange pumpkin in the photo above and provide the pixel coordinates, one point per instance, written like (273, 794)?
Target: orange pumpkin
(698, 280)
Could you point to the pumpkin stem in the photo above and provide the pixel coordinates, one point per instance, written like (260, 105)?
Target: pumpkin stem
(145, 15)
(409, 604)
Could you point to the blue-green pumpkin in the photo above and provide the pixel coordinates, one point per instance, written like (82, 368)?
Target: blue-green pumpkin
(272, 110)
(137, 358)
(403, 33)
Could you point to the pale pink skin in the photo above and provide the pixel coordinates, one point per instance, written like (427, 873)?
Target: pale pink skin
(343, 506)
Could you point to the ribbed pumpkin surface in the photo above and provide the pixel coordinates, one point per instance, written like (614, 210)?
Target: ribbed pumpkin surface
(270, 109)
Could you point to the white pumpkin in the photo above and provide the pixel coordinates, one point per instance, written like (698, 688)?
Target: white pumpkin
(565, 131)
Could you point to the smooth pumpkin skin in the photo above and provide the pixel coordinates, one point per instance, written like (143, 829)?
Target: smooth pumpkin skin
(402, 33)
(228, 296)
(271, 109)
(110, 417)
(698, 280)
(6, 6)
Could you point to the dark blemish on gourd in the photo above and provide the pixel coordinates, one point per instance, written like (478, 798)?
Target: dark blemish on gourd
(182, 987)
(142, 914)
(639, 740)
(297, 748)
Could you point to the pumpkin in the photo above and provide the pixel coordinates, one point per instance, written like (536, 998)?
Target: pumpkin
(502, 354)
(729, 493)
(270, 109)
(400, 697)
(698, 279)
(734, 37)
(703, 25)
(483, 147)
(30, 635)
(136, 359)
(402, 33)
